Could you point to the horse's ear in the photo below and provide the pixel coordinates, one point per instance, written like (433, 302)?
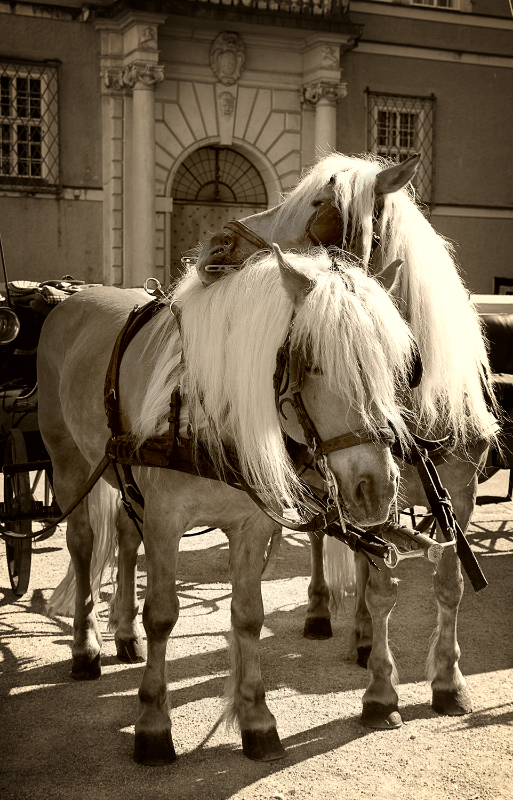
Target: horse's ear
(394, 178)
(390, 276)
(296, 283)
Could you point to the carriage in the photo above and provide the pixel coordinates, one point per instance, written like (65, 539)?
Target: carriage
(28, 510)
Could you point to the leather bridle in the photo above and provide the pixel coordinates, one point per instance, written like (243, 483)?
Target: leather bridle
(325, 228)
(290, 377)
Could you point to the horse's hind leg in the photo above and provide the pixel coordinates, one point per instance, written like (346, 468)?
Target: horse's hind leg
(153, 740)
(380, 699)
(247, 706)
(318, 617)
(123, 620)
(87, 640)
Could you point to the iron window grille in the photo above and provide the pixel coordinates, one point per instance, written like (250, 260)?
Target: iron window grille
(400, 125)
(454, 4)
(29, 151)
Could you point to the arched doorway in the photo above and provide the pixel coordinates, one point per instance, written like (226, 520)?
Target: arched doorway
(212, 185)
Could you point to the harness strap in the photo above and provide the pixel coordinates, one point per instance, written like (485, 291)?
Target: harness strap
(95, 477)
(384, 434)
(137, 319)
(441, 506)
(437, 449)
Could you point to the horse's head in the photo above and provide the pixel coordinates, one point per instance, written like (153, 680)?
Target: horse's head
(347, 432)
(319, 211)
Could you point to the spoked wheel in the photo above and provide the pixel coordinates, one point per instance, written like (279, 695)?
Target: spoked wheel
(17, 498)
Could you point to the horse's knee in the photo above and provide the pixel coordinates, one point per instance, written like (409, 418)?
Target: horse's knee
(159, 618)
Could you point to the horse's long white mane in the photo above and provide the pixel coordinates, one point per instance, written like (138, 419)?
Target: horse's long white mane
(433, 297)
(231, 330)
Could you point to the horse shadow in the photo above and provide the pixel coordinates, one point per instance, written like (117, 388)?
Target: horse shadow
(86, 719)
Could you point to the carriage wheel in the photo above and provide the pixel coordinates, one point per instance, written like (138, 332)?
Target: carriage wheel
(17, 497)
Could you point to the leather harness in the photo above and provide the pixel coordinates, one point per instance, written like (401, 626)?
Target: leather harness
(172, 452)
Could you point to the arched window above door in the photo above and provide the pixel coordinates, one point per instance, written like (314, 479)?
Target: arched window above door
(218, 175)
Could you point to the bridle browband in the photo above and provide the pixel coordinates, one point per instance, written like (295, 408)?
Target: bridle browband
(250, 236)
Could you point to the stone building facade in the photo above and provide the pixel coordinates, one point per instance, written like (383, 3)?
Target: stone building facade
(175, 116)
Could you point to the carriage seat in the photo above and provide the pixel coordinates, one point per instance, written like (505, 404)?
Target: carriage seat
(498, 329)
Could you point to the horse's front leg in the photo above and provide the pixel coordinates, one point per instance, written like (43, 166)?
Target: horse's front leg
(246, 694)
(153, 740)
(380, 699)
(130, 646)
(318, 617)
(362, 632)
(450, 695)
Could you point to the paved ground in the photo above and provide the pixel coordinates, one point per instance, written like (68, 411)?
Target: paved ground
(61, 739)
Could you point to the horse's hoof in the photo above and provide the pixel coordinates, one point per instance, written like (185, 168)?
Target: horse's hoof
(131, 651)
(262, 746)
(451, 703)
(381, 717)
(363, 655)
(317, 628)
(86, 669)
(154, 749)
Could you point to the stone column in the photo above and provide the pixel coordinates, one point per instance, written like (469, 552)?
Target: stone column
(324, 96)
(142, 78)
(130, 69)
(323, 88)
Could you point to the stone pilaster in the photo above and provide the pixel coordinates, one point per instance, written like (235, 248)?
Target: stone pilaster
(130, 72)
(324, 96)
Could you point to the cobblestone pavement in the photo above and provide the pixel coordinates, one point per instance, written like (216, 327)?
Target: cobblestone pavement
(62, 739)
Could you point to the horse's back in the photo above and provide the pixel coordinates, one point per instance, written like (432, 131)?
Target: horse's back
(94, 313)
(73, 355)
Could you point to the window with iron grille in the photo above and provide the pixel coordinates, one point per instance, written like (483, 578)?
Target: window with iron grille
(454, 4)
(29, 151)
(400, 125)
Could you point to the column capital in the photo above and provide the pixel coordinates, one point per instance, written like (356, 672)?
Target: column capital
(324, 90)
(149, 74)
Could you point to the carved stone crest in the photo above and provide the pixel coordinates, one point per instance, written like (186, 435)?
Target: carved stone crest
(148, 40)
(227, 57)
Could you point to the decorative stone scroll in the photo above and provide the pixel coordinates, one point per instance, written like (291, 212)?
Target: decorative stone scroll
(332, 92)
(147, 74)
(119, 78)
(113, 78)
(227, 58)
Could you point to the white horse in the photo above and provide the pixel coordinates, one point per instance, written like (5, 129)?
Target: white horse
(367, 208)
(356, 353)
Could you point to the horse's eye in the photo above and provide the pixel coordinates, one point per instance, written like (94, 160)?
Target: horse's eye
(317, 203)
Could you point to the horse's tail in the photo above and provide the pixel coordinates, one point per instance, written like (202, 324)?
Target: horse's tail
(103, 504)
(340, 572)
